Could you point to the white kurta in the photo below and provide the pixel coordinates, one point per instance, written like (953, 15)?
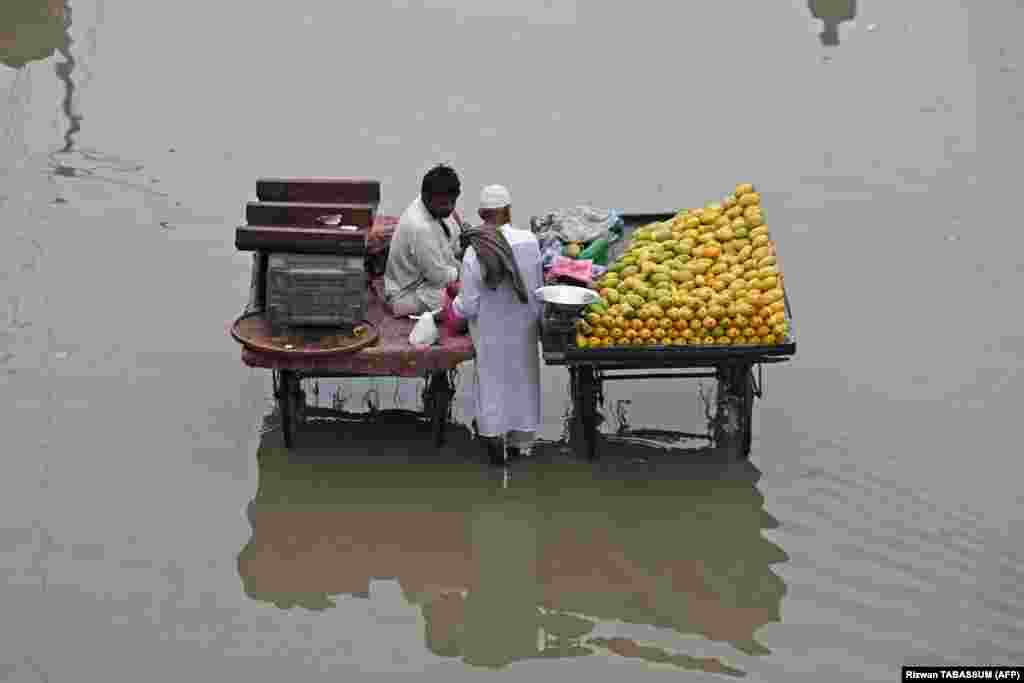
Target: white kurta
(505, 334)
(421, 259)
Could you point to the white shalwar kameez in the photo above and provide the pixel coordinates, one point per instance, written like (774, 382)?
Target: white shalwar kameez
(505, 334)
(422, 260)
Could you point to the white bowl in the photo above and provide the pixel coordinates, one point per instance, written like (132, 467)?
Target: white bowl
(566, 295)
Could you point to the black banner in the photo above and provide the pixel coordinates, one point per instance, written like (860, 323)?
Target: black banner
(963, 673)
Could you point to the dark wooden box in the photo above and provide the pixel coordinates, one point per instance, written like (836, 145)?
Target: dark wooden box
(319, 190)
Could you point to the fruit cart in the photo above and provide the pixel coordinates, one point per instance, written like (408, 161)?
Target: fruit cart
(311, 217)
(737, 370)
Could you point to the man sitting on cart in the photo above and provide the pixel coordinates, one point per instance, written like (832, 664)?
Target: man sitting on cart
(425, 249)
(500, 273)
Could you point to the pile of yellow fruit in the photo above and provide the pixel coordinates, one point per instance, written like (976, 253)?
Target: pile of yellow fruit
(704, 277)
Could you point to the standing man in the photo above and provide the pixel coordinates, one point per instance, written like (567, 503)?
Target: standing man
(500, 272)
(424, 253)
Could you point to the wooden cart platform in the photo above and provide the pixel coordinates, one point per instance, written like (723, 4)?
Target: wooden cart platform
(289, 216)
(391, 356)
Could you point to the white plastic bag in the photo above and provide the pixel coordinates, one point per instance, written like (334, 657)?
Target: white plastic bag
(582, 223)
(424, 333)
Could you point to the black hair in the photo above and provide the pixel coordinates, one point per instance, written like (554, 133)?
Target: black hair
(441, 179)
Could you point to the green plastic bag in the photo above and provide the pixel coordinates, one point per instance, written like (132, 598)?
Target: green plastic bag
(597, 251)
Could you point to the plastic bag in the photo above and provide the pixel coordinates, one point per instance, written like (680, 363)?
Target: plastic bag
(596, 252)
(549, 254)
(424, 333)
(582, 223)
(618, 227)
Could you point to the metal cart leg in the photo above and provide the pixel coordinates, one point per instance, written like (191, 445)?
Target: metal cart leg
(748, 412)
(576, 432)
(585, 388)
(593, 398)
(733, 421)
(575, 417)
(437, 402)
(285, 397)
(290, 403)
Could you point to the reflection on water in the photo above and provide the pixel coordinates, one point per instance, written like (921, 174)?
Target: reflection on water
(64, 71)
(541, 567)
(31, 30)
(832, 13)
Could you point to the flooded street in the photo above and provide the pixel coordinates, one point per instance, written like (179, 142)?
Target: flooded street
(153, 528)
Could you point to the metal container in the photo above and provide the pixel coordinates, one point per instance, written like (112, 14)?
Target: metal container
(563, 304)
(316, 290)
(566, 298)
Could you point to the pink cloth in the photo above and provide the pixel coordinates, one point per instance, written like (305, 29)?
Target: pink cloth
(577, 269)
(454, 324)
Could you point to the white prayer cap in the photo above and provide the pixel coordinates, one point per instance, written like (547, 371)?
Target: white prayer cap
(495, 197)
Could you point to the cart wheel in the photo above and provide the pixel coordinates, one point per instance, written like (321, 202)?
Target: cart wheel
(584, 423)
(437, 401)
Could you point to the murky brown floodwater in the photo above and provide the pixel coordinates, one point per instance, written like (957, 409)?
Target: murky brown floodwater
(151, 526)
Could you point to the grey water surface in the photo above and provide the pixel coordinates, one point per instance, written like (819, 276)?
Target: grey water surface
(152, 528)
